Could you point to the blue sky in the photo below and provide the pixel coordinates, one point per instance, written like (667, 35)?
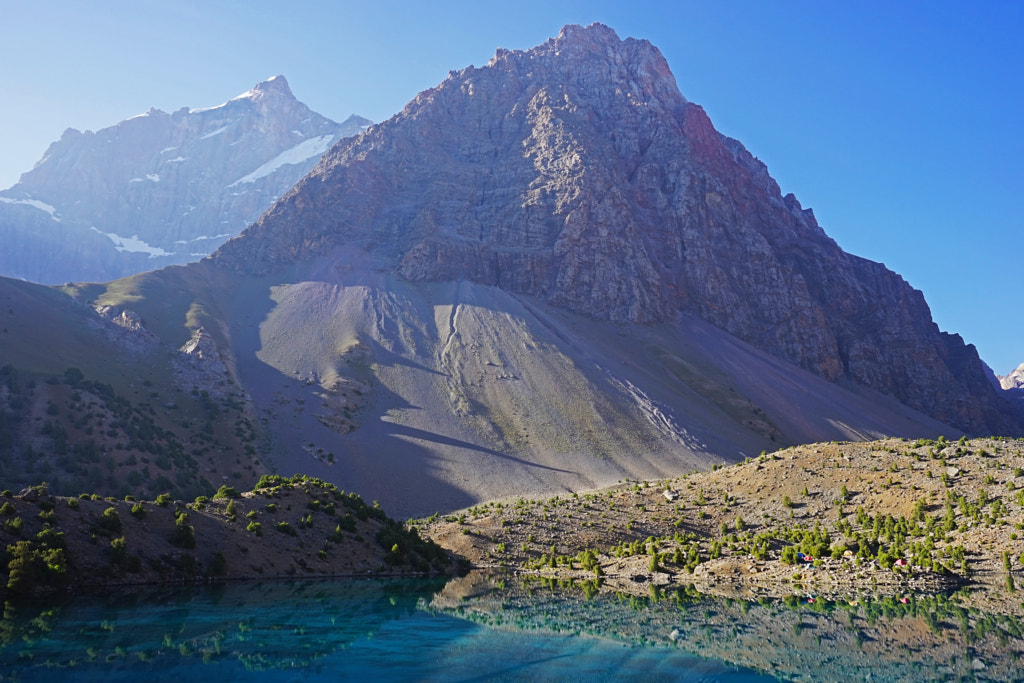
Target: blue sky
(900, 123)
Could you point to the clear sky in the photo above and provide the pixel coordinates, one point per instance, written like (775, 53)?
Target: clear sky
(900, 123)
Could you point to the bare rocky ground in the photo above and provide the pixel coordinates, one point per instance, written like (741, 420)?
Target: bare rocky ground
(476, 394)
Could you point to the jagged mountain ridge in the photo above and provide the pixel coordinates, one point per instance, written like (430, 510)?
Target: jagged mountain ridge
(159, 188)
(576, 172)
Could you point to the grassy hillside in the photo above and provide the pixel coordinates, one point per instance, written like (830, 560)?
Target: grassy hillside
(89, 405)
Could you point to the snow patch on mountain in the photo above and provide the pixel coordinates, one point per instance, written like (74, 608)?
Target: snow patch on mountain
(204, 237)
(34, 203)
(133, 244)
(214, 133)
(296, 155)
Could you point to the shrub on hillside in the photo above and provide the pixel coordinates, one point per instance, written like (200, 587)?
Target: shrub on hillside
(184, 535)
(39, 563)
(109, 522)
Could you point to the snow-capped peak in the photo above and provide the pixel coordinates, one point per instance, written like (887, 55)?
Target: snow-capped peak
(275, 85)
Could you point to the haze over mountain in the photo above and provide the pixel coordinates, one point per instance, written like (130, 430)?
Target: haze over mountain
(159, 188)
(546, 274)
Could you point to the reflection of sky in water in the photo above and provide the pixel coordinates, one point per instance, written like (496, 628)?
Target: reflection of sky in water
(359, 631)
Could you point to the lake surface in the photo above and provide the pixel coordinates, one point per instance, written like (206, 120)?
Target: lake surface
(488, 628)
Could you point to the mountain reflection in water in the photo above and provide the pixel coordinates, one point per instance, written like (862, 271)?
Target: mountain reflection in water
(491, 627)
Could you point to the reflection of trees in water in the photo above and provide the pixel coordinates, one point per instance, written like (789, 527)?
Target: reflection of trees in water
(263, 626)
(274, 626)
(908, 638)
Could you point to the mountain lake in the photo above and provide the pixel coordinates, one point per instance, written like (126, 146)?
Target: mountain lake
(498, 627)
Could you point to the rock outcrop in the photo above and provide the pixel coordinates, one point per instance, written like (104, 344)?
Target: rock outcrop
(159, 189)
(126, 328)
(200, 367)
(576, 172)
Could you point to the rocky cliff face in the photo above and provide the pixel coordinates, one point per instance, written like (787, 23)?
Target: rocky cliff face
(576, 172)
(159, 188)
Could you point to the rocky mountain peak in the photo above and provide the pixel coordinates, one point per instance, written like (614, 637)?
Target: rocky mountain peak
(594, 34)
(273, 87)
(576, 172)
(586, 56)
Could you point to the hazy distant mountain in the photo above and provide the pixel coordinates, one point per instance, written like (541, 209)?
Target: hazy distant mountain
(159, 188)
(1013, 381)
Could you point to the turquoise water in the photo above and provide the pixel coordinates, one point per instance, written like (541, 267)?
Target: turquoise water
(494, 627)
(375, 631)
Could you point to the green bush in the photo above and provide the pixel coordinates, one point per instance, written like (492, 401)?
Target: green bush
(118, 550)
(110, 521)
(13, 526)
(184, 535)
(138, 511)
(408, 548)
(286, 528)
(347, 523)
(255, 527)
(7, 509)
(225, 492)
(163, 500)
(40, 563)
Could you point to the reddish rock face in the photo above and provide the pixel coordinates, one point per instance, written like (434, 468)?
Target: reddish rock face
(577, 172)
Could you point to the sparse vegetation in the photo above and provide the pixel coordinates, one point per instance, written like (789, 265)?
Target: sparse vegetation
(911, 530)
